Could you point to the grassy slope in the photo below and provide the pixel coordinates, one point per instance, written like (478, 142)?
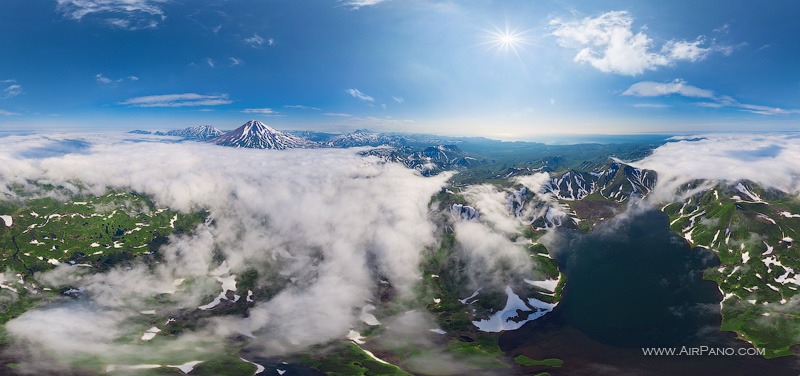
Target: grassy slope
(760, 309)
(98, 231)
(349, 360)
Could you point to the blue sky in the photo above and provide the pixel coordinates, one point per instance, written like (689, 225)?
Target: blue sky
(507, 69)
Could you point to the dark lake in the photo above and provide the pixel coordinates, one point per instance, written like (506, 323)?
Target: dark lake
(631, 284)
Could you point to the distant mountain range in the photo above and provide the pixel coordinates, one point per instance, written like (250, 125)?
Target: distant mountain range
(200, 132)
(425, 153)
(257, 135)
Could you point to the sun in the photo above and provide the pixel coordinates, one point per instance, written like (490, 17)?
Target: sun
(506, 39)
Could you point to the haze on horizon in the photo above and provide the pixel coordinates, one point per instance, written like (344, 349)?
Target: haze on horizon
(503, 69)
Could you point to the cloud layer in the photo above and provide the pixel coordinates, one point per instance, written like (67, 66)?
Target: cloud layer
(322, 227)
(767, 159)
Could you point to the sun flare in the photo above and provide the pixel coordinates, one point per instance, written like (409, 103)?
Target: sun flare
(506, 39)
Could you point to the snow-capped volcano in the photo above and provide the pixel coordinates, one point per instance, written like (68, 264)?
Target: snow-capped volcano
(257, 135)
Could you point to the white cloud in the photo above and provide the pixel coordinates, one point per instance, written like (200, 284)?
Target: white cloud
(124, 14)
(211, 63)
(262, 111)
(339, 114)
(491, 258)
(680, 87)
(101, 79)
(493, 246)
(178, 100)
(358, 94)
(356, 4)
(293, 236)
(657, 89)
(7, 113)
(608, 43)
(398, 99)
(768, 159)
(256, 41)
(301, 107)
(12, 91)
(235, 61)
(685, 50)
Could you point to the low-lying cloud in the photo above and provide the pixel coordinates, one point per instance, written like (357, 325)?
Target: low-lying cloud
(322, 226)
(767, 159)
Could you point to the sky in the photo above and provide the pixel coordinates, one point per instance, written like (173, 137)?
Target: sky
(503, 69)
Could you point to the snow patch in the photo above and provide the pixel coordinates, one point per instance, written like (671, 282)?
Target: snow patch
(368, 317)
(467, 299)
(547, 284)
(355, 337)
(259, 368)
(188, 366)
(504, 319)
(150, 333)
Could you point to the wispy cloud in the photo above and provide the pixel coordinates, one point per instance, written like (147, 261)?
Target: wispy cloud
(12, 91)
(358, 94)
(262, 111)
(398, 99)
(7, 113)
(337, 114)
(651, 89)
(235, 61)
(257, 41)
(724, 29)
(101, 79)
(608, 43)
(301, 107)
(178, 100)
(124, 14)
(657, 89)
(356, 4)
